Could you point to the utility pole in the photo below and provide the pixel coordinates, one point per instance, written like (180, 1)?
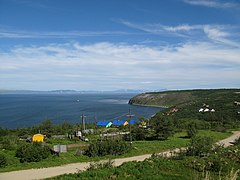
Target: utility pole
(95, 119)
(130, 129)
(83, 123)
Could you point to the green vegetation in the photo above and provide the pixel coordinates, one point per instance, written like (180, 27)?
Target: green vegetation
(188, 103)
(222, 109)
(191, 130)
(180, 125)
(32, 152)
(3, 160)
(72, 156)
(164, 128)
(163, 99)
(217, 163)
(108, 147)
(200, 146)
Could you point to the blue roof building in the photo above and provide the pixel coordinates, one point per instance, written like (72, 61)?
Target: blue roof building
(119, 123)
(104, 123)
(132, 122)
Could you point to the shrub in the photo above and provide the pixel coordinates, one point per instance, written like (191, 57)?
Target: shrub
(100, 165)
(108, 147)
(139, 133)
(9, 142)
(200, 146)
(32, 152)
(237, 141)
(3, 160)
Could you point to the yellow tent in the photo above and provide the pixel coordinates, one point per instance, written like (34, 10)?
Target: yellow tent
(38, 138)
(126, 123)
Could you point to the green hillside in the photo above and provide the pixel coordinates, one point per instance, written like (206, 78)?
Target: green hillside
(221, 106)
(165, 99)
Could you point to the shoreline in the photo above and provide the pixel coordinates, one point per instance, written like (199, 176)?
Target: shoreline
(165, 107)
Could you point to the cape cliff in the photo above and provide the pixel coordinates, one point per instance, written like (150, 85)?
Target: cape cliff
(162, 99)
(186, 97)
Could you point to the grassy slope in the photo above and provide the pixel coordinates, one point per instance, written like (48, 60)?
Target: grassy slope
(189, 102)
(161, 169)
(179, 98)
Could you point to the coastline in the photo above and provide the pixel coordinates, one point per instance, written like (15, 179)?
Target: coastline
(165, 107)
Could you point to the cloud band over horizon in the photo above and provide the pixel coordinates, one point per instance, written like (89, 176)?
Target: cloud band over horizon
(111, 66)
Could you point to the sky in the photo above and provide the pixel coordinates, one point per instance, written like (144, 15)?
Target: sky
(119, 44)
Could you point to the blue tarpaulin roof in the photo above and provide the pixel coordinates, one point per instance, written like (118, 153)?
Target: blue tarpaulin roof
(132, 121)
(103, 123)
(118, 122)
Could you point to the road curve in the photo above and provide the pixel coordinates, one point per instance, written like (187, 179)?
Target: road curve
(43, 173)
(230, 140)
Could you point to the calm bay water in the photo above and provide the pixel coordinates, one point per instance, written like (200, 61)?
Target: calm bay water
(24, 110)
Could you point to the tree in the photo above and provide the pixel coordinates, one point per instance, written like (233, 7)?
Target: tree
(46, 127)
(191, 130)
(164, 128)
(138, 133)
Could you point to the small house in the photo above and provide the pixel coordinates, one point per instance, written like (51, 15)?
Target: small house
(38, 138)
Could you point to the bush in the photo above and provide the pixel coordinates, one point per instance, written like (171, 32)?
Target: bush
(100, 165)
(108, 147)
(200, 146)
(32, 152)
(3, 160)
(139, 133)
(237, 141)
(9, 142)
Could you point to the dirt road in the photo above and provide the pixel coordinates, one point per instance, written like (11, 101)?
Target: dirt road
(59, 170)
(75, 167)
(229, 141)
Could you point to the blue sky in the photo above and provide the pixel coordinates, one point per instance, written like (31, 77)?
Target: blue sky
(124, 44)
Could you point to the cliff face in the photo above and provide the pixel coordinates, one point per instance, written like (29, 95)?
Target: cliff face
(221, 97)
(164, 99)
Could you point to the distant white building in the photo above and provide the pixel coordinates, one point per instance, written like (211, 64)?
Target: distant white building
(206, 110)
(212, 110)
(201, 110)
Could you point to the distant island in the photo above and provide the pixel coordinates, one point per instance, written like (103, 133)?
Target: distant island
(64, 91)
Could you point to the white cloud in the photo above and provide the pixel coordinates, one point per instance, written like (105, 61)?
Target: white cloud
(184, 27)
(218, 33)
(106, 66)
(4, 33)
(212, 3)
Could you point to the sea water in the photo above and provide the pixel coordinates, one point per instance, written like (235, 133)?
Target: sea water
(24, 110)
